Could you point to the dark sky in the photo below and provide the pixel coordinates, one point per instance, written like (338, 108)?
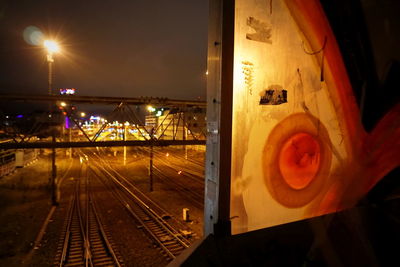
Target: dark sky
(126, 48)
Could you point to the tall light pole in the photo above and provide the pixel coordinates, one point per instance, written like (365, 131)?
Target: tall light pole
(52, 48)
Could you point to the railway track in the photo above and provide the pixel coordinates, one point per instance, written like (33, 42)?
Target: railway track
(85, 241)
(170, 241)
(196, 198)
(171, 163)
(190, 165)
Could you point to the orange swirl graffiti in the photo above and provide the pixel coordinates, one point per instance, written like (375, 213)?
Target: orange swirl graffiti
(296, 160)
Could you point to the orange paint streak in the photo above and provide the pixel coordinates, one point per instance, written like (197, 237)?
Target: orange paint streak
(329, 202)
(299, 160)
(382, 148)
(375, 154)
(311, 18)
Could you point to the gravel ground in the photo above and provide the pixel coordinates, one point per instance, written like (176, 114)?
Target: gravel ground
(134, 246)
(163, 194)
(25, 199)
(25, 203)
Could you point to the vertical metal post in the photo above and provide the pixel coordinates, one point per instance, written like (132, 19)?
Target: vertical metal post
(173, 126)
(50, 78)
(184, 130)
(219, 117)
(151, 162)
(124, 146)
(54, 186)
(183, 126)
(223, 226)
(70, 139)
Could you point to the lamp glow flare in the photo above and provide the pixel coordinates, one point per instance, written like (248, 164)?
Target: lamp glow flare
(51, 46)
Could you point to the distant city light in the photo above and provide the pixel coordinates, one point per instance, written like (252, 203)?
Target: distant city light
(83, 114)
(63, 104)
(159, 113)
(151, 109)
(94, 118)
(20, 116)
(67, 91)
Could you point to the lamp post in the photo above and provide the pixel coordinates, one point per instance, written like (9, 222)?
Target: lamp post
(126, 124)
(52, 48)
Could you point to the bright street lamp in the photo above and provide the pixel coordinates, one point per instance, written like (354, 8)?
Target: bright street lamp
(51, 47)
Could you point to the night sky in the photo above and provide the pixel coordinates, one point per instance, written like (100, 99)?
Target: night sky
(127, 48)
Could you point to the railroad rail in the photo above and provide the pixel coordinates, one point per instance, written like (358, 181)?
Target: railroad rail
(85, 241)
(169, 240)
(196, 198)
(195, 171)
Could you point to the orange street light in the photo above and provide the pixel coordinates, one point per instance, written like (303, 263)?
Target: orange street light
(51, 47)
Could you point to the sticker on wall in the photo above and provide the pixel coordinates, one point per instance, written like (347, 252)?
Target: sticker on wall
(274, 95)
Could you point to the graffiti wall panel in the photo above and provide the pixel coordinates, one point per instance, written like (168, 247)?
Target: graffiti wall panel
(297, 137)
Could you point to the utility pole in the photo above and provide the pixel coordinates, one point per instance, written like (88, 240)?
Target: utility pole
(70, 139)
(54, 186)
(151, 160)
(52, 47)
(184, 131)
(125, 125)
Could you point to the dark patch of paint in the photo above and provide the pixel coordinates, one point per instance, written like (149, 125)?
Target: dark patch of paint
(263, 31)
(274, 95)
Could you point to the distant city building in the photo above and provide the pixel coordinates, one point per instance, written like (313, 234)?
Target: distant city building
(67, 91)
(175, 124)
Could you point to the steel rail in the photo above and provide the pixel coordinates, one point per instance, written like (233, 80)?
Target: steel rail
(67, 235)
(196, 198)
(191, 174)
(100, 225)
(149, 219)
(86, 243)
(151, 212)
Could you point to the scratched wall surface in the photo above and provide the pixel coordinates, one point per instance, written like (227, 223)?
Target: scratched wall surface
(299, 149)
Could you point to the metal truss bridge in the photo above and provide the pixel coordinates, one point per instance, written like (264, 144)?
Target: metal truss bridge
(182, 123)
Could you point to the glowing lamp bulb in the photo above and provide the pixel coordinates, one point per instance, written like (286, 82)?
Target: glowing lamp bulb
(51, 46)
(150, 109)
